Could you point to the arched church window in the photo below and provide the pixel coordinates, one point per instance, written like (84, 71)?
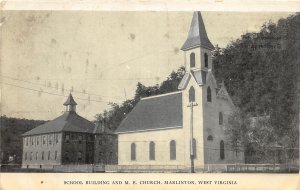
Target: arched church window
(206, 60)
(133, 151)
(222, 150)
(192, 94)
(192, 60)
(194, 148)
(210, 138)
(152, 150)
(173, 150)
(208, 94)
(220, 118)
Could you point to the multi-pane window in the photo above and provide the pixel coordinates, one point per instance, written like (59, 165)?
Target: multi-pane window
(67, 138)
(152, 150)
(80, 139)
(172, 150)
(67, 156)
(56, 138)
(79, 156)
(133, 151)
(100, 157)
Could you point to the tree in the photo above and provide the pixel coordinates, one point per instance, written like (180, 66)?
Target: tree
(117, 113)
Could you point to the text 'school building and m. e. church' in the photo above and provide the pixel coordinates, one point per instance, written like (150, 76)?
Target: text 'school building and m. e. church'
(68, 140)
(182, 130)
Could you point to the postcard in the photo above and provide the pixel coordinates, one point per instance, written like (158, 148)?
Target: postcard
(149, 95)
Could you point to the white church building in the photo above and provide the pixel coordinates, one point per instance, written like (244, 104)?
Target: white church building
(184, 130)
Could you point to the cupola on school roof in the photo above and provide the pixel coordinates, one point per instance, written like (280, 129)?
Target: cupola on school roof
(154, 113)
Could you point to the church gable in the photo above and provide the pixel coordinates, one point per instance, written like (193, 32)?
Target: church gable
(223, 94)
(198, 76)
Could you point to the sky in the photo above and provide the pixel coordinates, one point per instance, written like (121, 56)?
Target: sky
(98, 56)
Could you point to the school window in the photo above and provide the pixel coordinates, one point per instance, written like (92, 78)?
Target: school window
(67, 156)
(172, 150)
(44, 139)
(152, 150)
(67, 138)
(80, 139)
(42, 155)
(36, 156)
(100, 157)
(133, 151)
(31, 156)
(48, 155)
(25, 155)
(27, 141)
(79, 156)
(55, 155)
(50, 139)
(56, 138)
(37, 141)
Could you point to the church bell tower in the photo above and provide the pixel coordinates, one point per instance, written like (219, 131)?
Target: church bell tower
(197, 48)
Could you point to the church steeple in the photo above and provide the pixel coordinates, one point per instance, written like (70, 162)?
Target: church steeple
(197, 36)
(70, 104)
(197, 46)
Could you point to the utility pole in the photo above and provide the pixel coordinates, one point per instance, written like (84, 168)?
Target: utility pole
(192, 154)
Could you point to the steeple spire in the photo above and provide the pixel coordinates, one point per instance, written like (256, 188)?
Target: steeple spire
(70, 104)
(197, 36)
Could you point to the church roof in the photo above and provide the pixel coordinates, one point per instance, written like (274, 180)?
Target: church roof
(70, 101)
(197, 36)
(154, 113)
(68, 122)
